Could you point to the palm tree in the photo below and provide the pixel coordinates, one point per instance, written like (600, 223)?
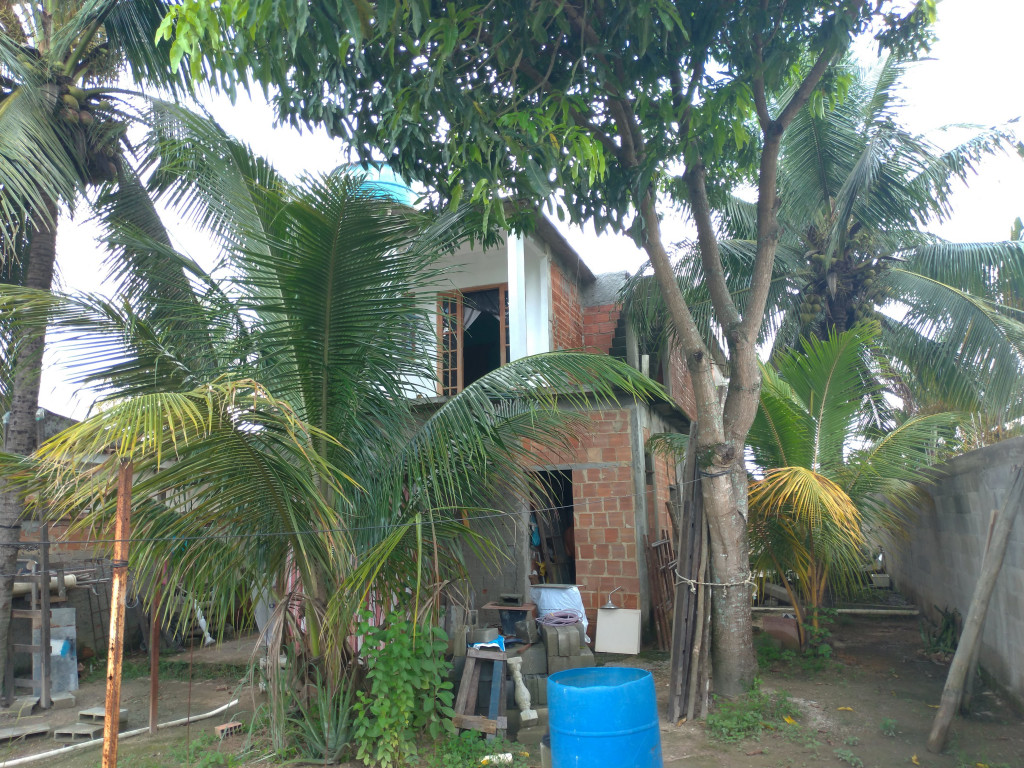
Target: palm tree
(324, 304)
(62, 128)
(857, 191)
(827, 475)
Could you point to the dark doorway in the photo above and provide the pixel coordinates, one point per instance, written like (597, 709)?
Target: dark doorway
(481, 336)
(552, 537)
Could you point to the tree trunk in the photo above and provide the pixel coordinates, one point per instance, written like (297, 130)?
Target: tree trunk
(723, 492)
(20, 435)
(733, 660)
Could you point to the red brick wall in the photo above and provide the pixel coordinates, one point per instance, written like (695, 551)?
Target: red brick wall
(678, 383)
(599, 327)
(603, 500)
(566, 313)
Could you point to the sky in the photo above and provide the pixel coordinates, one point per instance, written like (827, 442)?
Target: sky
(973, 76)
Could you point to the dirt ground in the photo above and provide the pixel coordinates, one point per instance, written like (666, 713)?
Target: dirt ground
(878, 682)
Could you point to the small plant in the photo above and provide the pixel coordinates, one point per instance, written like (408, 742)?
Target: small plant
(322, 726)
(409, 691)
(203, 752)
(848, 757)
(468, 750)
(888, 726)
(942, 640)
(851, 741)
(749, 715)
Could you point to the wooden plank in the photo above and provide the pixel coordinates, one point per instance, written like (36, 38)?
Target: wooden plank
(474, 687)
(467, 675)
(26, 613)
(480, 723)
(497, 677)
(686, 624)
(485, 654)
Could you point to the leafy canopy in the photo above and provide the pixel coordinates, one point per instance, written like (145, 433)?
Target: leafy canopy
(591, 102)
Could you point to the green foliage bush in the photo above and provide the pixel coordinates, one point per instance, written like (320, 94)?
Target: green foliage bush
(409, 692)
(749, 715)
(469, 748)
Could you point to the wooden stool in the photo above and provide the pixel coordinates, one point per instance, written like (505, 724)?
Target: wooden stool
(465, 718)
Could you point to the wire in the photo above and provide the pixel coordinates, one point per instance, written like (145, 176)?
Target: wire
(29, 545)
(566, 618)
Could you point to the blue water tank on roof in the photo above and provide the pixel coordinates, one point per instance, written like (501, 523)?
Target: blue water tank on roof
(381, 179)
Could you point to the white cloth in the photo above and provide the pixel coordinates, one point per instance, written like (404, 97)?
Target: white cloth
(559, 597)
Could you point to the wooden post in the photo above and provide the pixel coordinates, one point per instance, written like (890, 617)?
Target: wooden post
(45, 700)
(118, 585)
(154, 659)
(971, 634)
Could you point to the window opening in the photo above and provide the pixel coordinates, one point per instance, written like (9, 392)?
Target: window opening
(474, 336)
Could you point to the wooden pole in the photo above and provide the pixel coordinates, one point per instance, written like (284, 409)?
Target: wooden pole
(119, 583)
(154, 660)
(972, 666)
(45, 677)
(971, 635)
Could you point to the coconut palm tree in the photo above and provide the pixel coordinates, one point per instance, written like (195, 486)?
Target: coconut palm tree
(826, 475)
(857, 192)
(62, 131)
(319, 318)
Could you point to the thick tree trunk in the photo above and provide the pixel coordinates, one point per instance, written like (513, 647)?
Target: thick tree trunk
(724, 494)
(20, 435)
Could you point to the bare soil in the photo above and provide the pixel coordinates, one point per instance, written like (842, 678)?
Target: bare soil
(878, 677)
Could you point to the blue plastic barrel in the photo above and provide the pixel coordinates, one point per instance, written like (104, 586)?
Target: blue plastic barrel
(603, 716)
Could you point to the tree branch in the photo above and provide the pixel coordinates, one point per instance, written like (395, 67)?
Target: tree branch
(725, 308)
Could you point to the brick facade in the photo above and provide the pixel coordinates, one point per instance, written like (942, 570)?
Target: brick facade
(599, 327)
(678, 382)
(566, 311)
(605, 505)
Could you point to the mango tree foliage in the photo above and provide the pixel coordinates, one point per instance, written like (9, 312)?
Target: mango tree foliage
(596, 107)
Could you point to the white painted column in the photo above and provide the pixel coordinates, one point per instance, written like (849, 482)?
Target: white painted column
(540, 340)
(516, 297)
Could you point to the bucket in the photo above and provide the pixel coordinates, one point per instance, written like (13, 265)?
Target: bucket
(603, 716)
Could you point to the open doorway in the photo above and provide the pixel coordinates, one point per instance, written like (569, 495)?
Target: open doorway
(552, 535)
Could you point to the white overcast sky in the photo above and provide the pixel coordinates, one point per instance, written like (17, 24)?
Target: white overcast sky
(974, 76)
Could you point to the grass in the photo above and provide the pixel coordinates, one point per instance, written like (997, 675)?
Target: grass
(750, 715)
(170, 668)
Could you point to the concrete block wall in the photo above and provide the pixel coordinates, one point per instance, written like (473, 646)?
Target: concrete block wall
(939, 561)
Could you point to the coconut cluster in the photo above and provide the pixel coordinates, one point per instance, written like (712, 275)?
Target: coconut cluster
(847, 286)
(95, 131)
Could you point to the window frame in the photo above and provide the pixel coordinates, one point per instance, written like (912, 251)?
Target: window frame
(447, 328)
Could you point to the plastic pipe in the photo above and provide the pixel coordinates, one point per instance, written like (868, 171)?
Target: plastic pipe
(126, 735)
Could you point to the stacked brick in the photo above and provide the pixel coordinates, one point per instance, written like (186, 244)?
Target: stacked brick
(604, 504)
(566, 314)
(599, 324)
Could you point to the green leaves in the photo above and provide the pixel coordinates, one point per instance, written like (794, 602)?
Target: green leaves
(408, 692)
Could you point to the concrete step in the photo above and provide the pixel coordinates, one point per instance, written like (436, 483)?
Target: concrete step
(23, 731)
(68, 734)
(99, 714)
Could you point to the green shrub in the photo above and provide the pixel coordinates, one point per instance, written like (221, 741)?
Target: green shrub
(409, 691)
(749, 715)
(469, 748)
